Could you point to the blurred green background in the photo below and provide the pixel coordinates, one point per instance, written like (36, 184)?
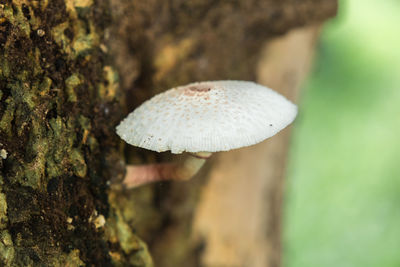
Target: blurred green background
(343, 186)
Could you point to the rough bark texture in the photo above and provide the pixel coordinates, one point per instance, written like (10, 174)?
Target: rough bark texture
(59, 105)
(61, 99)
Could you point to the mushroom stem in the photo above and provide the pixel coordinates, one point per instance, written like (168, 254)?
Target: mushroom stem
(137, 175)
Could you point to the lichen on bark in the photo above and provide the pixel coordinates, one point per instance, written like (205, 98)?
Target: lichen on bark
(59, 105)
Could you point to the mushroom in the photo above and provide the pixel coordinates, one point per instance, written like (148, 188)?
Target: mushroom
(201, 118)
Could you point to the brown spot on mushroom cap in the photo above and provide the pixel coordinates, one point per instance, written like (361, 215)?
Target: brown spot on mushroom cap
(200, 88)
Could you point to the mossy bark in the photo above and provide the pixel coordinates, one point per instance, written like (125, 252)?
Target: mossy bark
(61, 98)
(60, 101)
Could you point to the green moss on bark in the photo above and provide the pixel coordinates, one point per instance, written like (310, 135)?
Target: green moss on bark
(59, 105)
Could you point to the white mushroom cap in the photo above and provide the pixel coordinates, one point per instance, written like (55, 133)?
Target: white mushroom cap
(207, 117)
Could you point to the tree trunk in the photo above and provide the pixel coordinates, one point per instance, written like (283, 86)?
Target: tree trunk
(71, 69)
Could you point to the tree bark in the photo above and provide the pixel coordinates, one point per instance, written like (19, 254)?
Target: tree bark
(69, 71)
